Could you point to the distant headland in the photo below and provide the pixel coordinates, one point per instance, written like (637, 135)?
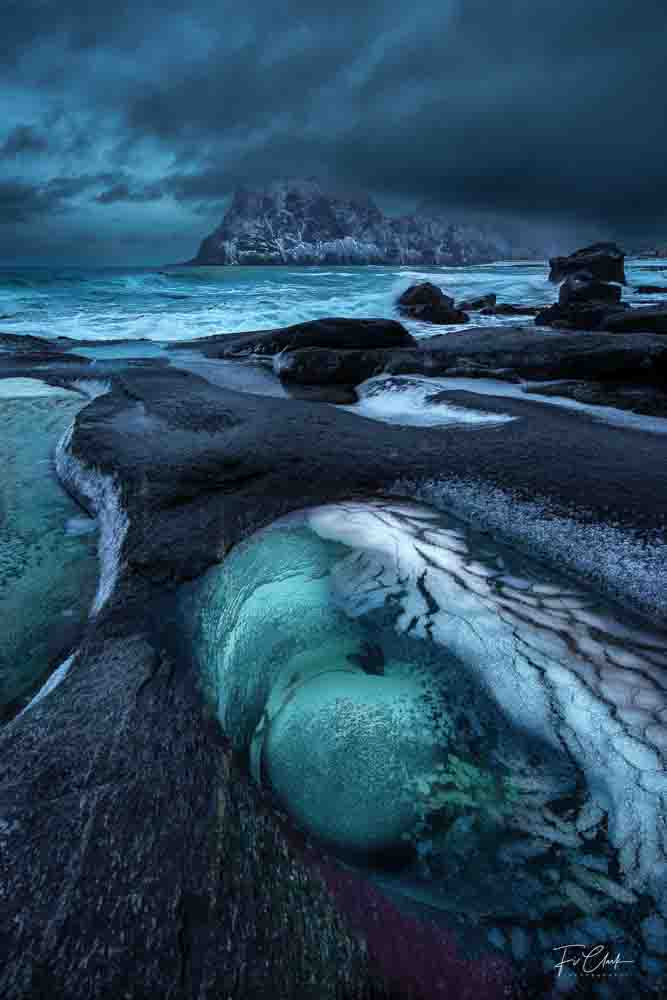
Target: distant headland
(299, 222)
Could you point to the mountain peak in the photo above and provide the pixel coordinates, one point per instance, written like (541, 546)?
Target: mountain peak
(295, 220)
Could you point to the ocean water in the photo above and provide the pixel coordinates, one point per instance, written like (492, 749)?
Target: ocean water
(180, 304)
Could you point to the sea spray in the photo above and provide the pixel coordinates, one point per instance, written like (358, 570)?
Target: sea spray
(103, 494)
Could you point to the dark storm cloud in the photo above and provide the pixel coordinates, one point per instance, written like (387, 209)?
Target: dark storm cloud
(121, 191)
(23, 139)
(548, 110)
(23, 202)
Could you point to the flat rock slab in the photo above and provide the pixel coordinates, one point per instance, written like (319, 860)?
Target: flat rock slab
(653, 320)
(526, 352)
(329, 332)
(648, 400)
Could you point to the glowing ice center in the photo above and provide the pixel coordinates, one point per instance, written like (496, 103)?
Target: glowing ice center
(397, 680)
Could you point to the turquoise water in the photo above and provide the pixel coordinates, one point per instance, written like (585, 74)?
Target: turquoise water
(48, 552)
(183, 303)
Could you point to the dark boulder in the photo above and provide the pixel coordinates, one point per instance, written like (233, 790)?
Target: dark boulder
(470, 369)
(428, 303)
(583, 287)
(580, 316)
(584, 303)
(483, 302)
(548, 354)
(21, 350)
(327, 366)
(424, 294)
(339, 395)
(604, 261)
(335, 332)
(648, 320)
(484, 352)
(509, 309)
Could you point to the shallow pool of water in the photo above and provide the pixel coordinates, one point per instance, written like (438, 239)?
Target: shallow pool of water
(48, 552)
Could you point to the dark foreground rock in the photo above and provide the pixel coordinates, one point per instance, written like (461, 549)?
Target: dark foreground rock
(645, 399)
(428, 303)
(483, 302)
(583, 287)
(18, 352)
(137, 859)
(653, 320)
(590, 316)
(584, 303)
(516, 351)
(509, 309)
(336, 332)
(322, 366)
(604, 261)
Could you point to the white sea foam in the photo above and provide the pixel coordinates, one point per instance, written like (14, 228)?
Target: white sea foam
(92, 387)
(407, 400)
(76, 526)
(54, 680)
(184, 303)
(605, 414)
(103, 494)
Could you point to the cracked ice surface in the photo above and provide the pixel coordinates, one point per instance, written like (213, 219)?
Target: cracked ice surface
(624, 564)
(557, 664)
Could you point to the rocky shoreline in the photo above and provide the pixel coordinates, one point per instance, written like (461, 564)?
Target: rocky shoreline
(138, 857)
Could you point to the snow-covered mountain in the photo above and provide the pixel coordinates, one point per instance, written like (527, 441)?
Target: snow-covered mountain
(297, 222)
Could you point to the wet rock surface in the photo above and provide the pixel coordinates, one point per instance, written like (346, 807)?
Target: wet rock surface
(586, 302)
(649, 400)
(509, 309)
(604, 261)
(334, 332)
(519, 352)
(482, 302)
(649, 319)
(429, 304)
(583, 287)
(143, 862)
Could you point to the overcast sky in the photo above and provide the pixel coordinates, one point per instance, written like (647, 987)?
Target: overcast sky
(125, 125)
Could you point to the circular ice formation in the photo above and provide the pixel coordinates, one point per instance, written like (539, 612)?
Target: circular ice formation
(345, 750)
